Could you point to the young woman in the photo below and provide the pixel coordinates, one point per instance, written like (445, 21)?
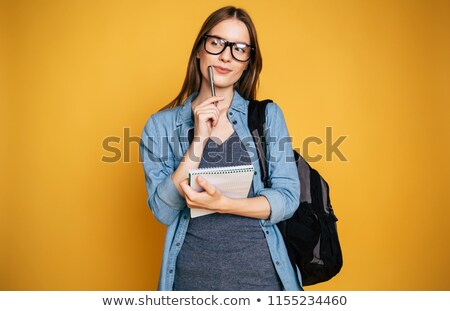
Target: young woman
(239, 246)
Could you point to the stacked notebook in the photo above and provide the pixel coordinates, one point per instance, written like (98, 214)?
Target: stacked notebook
(232, 181)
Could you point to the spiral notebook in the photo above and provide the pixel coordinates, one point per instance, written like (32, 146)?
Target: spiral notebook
(232, 181)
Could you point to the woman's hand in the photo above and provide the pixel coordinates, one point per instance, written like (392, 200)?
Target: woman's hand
(206, 116)
(211, 198)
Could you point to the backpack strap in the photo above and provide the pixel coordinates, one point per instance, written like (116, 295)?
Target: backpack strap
(257, 127)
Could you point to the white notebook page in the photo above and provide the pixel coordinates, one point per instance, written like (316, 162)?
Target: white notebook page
(232, 181)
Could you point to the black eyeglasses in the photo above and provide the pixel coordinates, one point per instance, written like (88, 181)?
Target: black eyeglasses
(240, 51)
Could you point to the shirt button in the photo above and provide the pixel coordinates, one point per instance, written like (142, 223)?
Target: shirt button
(234, 122)
(267, 232)
(170, 271)
(277, 263)
(230, 113)
(185, 217)
(178, 244)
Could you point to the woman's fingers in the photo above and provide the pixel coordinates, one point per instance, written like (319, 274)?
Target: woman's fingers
(204, 116)
(210, 101)
(203, 199)
(208, 105)
(210, 189)
(184, 184)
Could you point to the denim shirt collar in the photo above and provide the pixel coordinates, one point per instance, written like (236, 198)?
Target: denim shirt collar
(185, 114)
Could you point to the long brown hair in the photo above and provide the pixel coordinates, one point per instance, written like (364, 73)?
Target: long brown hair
(248, 83)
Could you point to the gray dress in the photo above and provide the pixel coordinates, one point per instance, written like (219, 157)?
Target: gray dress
(223, 251)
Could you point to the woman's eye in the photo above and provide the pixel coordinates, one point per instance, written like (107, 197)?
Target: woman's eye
(239, 48)
(217, 42)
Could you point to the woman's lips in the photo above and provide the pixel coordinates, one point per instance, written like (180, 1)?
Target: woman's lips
(221, 70)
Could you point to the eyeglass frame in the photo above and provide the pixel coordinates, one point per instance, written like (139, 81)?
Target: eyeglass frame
(228, 44)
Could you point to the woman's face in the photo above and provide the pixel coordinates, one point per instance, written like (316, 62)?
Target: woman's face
(227, 70)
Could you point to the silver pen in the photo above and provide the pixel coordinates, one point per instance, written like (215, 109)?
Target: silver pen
(211, 82)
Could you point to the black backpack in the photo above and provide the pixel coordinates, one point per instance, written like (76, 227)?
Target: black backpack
(310, 234)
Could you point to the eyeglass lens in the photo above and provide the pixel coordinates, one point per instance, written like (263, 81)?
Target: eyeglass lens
(240, 51)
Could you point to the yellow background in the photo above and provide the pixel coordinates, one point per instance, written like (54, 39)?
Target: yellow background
(76, 72)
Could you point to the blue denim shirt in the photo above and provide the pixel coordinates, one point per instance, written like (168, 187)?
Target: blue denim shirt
(164, 141)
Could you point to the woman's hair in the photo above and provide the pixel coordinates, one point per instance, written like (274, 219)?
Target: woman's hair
(248, 83)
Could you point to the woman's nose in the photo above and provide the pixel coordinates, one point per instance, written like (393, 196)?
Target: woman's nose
(226, 56)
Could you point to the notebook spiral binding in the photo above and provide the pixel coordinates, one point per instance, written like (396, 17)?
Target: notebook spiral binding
(222, 170)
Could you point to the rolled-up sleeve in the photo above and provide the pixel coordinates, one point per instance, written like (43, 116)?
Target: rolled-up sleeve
(284, 195)
(163, 197)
